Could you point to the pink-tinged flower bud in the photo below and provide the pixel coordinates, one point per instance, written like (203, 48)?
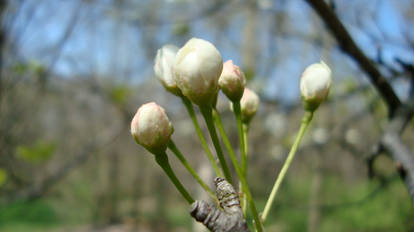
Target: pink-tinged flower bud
(198, 66)
(249, 104)
(164, 68)
(232, 81)
(315, 84)
(151, 127)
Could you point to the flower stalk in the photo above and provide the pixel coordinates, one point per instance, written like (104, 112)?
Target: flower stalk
(247, 196)
(226, 141)
(189, 106)
(207, 112)
(247, 193)
(162, 159)
(180, 156)
(307, 118)
(237, 113)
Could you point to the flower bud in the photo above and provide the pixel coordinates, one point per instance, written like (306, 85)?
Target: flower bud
(232, 81)
(151, 127)
(249, 104)
(163, 68)
(198, 66)
(314, 85)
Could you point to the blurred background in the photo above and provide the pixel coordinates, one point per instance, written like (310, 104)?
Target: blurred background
(73, 73)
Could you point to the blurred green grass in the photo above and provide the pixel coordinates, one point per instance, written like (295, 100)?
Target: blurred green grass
(365, 206)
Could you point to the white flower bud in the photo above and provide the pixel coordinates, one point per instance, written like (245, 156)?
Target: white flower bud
(198, 66)
(151, 127)
(315, 84)
(232, 81)
(249, 104)
(163, 67)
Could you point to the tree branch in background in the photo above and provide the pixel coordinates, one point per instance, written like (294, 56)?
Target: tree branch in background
(3, 5)
(349, 46)
(399, 152)
(400, 114)
(38, 190)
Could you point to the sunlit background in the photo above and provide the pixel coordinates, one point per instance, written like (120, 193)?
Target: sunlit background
(73, 73)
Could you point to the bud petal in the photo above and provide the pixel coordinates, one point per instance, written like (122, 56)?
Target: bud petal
(151, 127)
(249, 104)
(198, 66)
(232, 81)
(315, 84)
(163, 67)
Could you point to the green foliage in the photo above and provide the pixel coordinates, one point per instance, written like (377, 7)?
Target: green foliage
(33, 67)
(249, 74)
(20, 68)
(350, 85)
(39, 152)
(178, 216)
(377, 212)
(364, 206)
(35, 212)
(181, 29)
(119, 93)
(367, 207)
(3, 176)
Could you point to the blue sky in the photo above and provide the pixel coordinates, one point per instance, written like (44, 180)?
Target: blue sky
(101, 45)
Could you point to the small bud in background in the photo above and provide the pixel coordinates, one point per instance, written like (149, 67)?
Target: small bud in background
(232, 81)
(198, 66)
(315, 84)
(249, 104)
(163, 68)
(151, 127)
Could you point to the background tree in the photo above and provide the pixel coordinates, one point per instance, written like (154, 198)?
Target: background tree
(72, 73)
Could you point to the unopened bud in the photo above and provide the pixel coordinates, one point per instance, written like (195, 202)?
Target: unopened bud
(163, 67)
(232, 81)
(249, 104)
(198, 66)
(151, 127)
(315, 84)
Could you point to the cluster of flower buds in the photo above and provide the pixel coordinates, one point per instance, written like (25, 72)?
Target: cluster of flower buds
(196, 72)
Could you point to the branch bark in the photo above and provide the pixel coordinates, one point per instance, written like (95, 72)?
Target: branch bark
(391, 142)
(227, 219)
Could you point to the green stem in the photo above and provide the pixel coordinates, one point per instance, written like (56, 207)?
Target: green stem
(162, 160)
(229, 148)
(307, 118)
(243, 146)
(179, 155)
(219, 124)
(207, 113)
(245, 188)
(190, 109)
(247, 193)
(237, 113)
(245, 130)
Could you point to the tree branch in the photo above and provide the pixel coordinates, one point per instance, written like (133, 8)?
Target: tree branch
(37, 190)
(400, 114)
(228, 219)
(399, 152)
(349, 46)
